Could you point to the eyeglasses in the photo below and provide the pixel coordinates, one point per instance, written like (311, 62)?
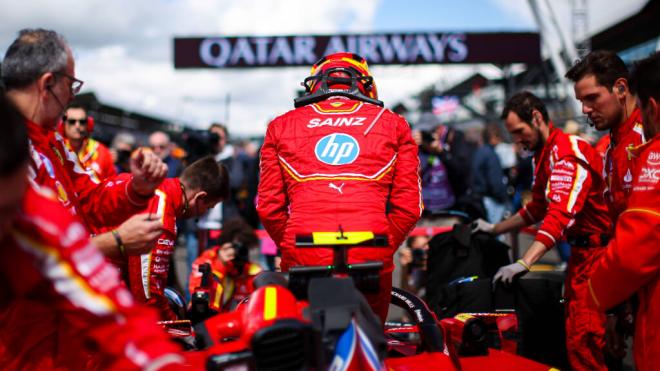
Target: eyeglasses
(74, 121)
(76, 84)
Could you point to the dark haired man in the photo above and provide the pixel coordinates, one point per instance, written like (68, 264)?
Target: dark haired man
(601, 85)
(202, 185)
(568, 200)
(59, 300)
(77, 127)
(631, 263)
(38, 73)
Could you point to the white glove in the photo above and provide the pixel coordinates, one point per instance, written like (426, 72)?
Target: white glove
(508, 272)
(482, 226)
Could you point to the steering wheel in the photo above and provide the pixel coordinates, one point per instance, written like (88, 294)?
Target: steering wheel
(429, 329)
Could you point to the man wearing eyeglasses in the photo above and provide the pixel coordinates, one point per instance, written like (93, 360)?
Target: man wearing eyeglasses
(38, 72)
(77, 128)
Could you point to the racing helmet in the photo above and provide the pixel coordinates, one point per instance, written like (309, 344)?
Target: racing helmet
(344, 74)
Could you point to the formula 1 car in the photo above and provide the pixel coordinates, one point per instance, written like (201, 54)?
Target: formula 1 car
(317, 319)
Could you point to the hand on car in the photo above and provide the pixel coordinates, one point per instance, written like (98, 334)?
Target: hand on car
(507, 273)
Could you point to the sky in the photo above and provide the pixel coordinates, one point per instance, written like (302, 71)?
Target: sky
(124, 48)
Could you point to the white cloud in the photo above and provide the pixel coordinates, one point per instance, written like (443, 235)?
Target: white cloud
(124, 51)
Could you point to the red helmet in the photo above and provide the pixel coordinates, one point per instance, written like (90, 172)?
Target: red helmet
(344, 74)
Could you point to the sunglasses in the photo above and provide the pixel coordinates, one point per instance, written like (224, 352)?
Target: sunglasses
(74, 121)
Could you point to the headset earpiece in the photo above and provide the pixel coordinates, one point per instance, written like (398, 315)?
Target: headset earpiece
(620, 88)
(90, 124)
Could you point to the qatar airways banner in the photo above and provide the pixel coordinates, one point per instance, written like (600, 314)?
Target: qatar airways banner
(388, 48)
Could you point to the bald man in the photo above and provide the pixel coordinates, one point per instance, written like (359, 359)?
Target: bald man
(160, 143)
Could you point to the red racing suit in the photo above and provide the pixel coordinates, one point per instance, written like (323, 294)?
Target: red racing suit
(631, 263)
(340, 162)
(94, 156)
(98, 203)
(568, 199)
(602, 145)
(61, 302)
(618, 162)
(231, 287)
(147, 274)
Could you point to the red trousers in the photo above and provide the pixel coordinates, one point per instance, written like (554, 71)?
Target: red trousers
(585, 327)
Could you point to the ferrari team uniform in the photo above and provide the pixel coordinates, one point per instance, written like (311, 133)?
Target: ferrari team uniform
(147, 274)
(603, 145)
(62, 306)
(618, 169)
(568, 197)
(340, 164)
(98, 203)
(631, 263)
(230, 287)
(94, 156)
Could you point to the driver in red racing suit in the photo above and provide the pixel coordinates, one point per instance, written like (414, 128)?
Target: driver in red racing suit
(340, 160)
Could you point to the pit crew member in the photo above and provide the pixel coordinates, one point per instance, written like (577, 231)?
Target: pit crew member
(631, 263)
(568, 200)
(38, 73)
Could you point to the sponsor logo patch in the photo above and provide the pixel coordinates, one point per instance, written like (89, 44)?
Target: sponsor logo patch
(561, 185)
(61, 193)
(338, 188)
(627, 180)
(649, 175)
(165, 241)
(337, 149)
(561, 178)
(338, 121)
(653, 159)
(566, 164)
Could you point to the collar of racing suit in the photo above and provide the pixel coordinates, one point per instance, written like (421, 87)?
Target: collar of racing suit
(36, 132)
(620, 131)
(550, 139)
